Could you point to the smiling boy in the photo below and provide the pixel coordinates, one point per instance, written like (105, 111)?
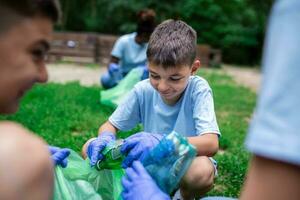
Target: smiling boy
(172, 99)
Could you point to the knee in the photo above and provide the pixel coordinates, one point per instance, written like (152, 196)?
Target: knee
(200, 175)
(26, 164)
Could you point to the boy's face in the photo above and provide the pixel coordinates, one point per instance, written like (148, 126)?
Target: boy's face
(171, 82)
(22, 52)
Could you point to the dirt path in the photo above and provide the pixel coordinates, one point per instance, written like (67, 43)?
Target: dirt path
(247, 77)
(63, 73)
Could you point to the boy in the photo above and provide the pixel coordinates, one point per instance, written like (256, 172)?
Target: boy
(171, 99)
(25, 164)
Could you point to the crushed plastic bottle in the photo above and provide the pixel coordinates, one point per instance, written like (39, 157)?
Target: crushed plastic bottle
(112, 156)
(169, 160)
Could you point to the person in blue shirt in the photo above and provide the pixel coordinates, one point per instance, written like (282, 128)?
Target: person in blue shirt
(172, 99)
(274, 137)
(26, 168)
(129, 50)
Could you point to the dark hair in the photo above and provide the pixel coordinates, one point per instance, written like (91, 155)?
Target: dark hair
(146, 21)
(172, 43)
(31, 8)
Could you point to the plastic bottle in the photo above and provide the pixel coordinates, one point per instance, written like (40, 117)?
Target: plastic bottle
(169, 160)
(112, 156)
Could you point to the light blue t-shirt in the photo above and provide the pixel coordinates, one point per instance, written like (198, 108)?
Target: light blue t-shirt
(275, 130)
(130, 53)
(192, 115)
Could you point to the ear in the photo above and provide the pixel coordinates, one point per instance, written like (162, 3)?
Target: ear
(196, 65)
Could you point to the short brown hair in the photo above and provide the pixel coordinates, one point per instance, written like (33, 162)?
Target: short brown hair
(172, 43)
(14, 10)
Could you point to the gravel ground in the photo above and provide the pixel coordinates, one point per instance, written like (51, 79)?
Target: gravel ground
(87, 76)
(62, 73)
(247, 77)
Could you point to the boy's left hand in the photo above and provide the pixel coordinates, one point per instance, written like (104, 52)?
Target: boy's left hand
(137, 145)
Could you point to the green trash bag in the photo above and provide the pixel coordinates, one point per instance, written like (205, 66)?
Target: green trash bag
(79, 181)
(112, 97)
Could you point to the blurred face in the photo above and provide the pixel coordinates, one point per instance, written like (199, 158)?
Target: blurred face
(22, 51)
(171, 82)
(143, 38)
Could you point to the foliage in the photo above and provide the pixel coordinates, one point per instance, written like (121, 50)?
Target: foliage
(67, 115)
(235, 26)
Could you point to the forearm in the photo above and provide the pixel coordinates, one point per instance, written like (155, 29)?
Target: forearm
(107, 126)
(206, 145)
(114, 59)
(270, 179)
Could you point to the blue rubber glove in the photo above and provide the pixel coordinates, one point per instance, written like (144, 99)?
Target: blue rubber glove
(96, 146)
(137, 146)
(145, 72)
(138, 185)
(59, 156)
(113, 67)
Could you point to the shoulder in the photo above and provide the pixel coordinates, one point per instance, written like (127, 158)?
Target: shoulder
(143, 87)
(127, 37)
(197, 83)
(143, 92)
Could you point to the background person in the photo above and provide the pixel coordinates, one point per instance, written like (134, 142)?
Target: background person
(25, 164)
(129, 50)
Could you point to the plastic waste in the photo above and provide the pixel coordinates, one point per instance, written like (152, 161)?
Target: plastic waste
(112, 97)
(112, 156)
(169, 160)
(79, 181)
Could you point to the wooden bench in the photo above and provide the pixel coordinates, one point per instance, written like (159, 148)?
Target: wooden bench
(81, 47)
(208, 56)
(96, 48)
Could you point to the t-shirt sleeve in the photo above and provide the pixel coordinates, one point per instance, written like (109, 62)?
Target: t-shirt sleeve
(204, 112)
(275, 130)
(118, 48)
(127, 114)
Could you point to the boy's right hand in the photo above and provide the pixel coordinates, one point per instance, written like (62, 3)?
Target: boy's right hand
(139, 185)
(96, 146)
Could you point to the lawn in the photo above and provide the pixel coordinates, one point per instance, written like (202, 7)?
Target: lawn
(67, 115)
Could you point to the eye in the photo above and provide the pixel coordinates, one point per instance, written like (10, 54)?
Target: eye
(154, 76)
(38, 54)
(175, 78)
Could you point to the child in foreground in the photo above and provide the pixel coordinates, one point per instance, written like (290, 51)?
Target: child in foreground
(172, 99)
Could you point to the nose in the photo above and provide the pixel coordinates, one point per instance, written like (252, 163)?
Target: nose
(42, 74)
(162, 86)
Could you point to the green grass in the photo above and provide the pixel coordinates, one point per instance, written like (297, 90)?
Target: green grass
(67, 115)
(234, 105)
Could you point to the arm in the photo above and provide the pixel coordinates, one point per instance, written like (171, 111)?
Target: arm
(270, 179)
(107, 126)
(114, 59)
(206, 144)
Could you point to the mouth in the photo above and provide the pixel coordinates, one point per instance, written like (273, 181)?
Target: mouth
(165, 94)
